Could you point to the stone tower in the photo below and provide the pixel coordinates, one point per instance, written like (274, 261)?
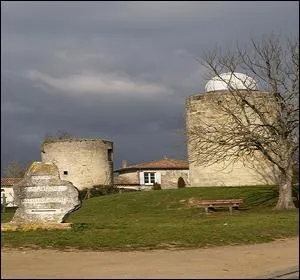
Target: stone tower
(203, 107)
(84, 162)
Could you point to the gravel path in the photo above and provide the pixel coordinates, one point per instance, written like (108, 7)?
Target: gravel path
(243, 261)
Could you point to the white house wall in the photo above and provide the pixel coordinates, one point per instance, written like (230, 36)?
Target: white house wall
(8, 192)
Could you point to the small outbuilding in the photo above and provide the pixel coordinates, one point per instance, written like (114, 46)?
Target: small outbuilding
(165, 172)
(7, 192)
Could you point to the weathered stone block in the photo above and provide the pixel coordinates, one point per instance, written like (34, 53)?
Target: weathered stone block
(42, 197)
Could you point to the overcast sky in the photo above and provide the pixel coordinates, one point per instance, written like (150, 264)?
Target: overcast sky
(119, 71)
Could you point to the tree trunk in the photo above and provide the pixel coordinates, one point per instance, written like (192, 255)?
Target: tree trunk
(285, 200)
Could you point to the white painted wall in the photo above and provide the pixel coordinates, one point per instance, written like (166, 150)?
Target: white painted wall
(8, 192)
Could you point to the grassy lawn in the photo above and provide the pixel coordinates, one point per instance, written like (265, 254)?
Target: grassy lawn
(160, 219)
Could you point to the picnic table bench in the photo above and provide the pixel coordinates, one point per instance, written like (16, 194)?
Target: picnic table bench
(213, 203)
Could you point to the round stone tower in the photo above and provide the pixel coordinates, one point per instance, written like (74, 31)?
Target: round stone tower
(83, 162)
(203, 108)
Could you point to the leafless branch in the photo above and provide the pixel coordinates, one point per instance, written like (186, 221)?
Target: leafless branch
(251, 123)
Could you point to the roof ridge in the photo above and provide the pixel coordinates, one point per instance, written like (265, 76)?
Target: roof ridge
(162, 159)
(160, 163)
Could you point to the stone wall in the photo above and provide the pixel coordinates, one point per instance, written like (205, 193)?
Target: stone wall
(169, 178)
(234, 175)
(245, 171)
(85, 163)
(130, 177)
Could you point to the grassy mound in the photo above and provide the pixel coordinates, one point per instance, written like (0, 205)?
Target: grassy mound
(166, 219)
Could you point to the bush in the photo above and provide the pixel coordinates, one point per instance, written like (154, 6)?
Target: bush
(180, 183)
(156, 187)
(97, 190)
(295, 191)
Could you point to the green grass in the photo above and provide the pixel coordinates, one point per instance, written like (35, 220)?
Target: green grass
(7, 215)
(159, 219)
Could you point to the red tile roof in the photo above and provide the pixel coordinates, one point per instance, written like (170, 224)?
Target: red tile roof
(9, 181)
(165, 163)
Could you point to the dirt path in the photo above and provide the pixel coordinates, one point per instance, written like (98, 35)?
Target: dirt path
(220, 262)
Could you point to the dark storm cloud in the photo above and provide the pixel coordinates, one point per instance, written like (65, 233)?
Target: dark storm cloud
(115, 70)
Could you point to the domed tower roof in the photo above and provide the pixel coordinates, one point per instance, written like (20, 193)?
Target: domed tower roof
(235, 80)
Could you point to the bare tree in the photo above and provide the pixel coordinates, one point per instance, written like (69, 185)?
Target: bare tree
(258, 125)
(59, 135)
(14, 169)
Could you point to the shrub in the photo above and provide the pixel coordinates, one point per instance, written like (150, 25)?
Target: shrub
(156, 186)
(97, 190)
(83, 193)
(180, 183)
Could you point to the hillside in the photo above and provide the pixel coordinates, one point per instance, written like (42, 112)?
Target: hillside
(166, 219)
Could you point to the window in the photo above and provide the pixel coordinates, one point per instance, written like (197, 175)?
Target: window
(149, 177)
(109, 154)
(65, 172)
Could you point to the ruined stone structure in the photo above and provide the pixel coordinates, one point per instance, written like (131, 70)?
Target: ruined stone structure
(84, 162)
(203, 107)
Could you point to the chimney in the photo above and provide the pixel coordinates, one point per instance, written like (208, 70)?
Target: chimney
(124, 163)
